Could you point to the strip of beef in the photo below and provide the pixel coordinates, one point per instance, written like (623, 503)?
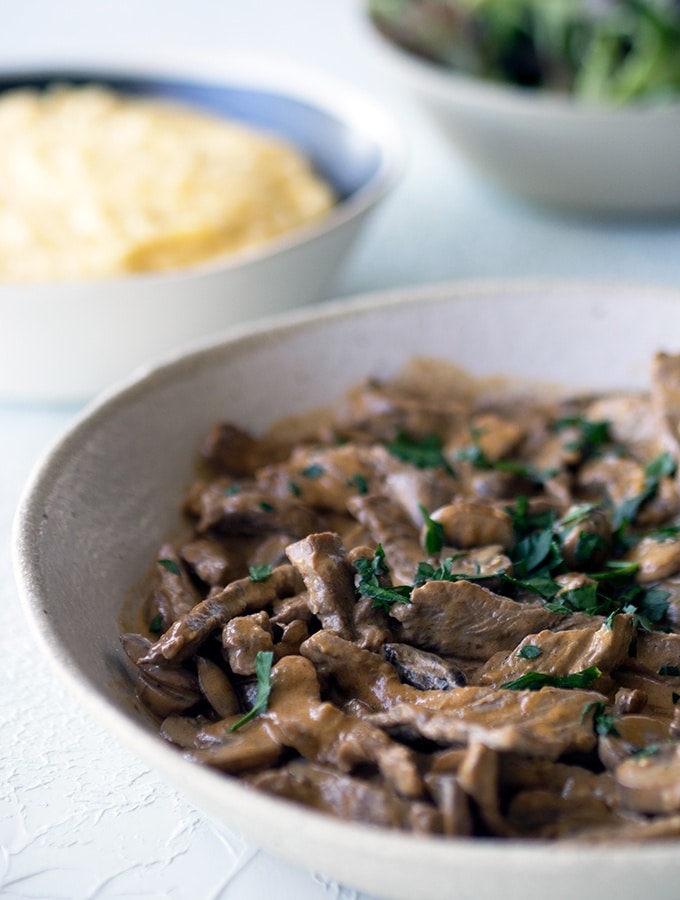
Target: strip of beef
(189, 632)
(464, 619)
(233, 451)
(212, 562)
(347, 797)
(543, 723)
(562, 652)
(541, 814)
(379, 411)
(297, 718)
(657, 653)
(359, 674)
(172, 593)
(478, 776)
(321, 477)
(390, 526)
(409, 485)
(329, 579)
(250, 511)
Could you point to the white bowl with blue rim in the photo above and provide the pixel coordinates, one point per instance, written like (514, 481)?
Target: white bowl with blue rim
(65, 341)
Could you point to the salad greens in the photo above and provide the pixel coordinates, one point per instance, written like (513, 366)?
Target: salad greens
(613, 51)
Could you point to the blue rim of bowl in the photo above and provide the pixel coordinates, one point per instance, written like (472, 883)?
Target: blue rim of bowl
(350, 140)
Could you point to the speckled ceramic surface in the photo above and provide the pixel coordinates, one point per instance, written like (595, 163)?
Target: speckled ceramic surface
(99, 503)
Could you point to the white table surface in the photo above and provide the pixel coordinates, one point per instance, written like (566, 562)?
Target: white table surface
(79, 816)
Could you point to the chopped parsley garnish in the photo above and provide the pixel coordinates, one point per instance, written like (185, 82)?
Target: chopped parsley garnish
(663, 466)
(294, 489)
(434, 532)
(604, 722)
(266, 507)
(259, 573)
(530, 651)
(669, 670)
(360, 482)
(588, 544)
(643, 752)
(170, 565)
(534, 681)
(156, 624)
(263, 667)
(591, 436)
(370, 571)
(313, 472)
(424, 453)
(231, 490)
(476, 457)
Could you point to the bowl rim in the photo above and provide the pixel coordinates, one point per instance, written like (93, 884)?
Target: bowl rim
(426, 850)
(449, 84)
(277, 75)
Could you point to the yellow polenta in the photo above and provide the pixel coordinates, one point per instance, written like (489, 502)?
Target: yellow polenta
(95, 184)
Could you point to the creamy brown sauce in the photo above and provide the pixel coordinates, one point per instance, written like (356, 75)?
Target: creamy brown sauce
(443, 607)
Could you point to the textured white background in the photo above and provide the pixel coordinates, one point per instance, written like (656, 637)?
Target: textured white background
(79, 817)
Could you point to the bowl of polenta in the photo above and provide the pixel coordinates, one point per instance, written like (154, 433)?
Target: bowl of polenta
(141, 211)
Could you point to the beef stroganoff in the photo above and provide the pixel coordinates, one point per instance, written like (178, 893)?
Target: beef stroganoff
(449, 612)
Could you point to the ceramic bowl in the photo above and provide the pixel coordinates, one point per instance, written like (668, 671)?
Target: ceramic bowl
(552, 150)
(103, 499)
(62, 342)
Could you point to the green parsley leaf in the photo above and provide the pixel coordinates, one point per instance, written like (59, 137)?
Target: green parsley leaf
(294, 488)
(534, 681)
(263, 667)
(476, 457)
(259, 573)
(359, 482)
(603, 721)
(434, 532)
(156, 624)
(669, 670)
(530, 651)
(266, 507)
(662, 466)
(591, 436)
(535, 550)
(170, 565)
(370, 570)
(313, 472)
(587, 544)
(424, 453)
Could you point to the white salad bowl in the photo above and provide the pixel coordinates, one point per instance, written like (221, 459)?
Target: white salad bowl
(64, 341)
(579, 157)
(101, 501)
